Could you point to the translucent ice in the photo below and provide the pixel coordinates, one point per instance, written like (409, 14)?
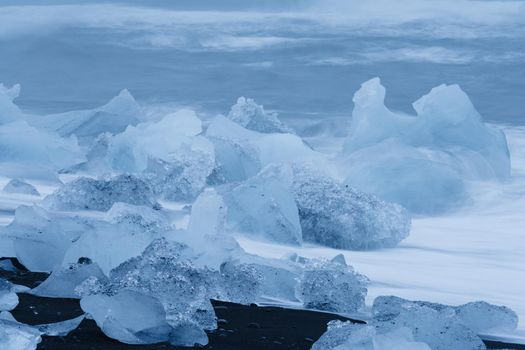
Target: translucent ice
(129, 317)
(8, 297)
(100, 194)
(114, 117)
(347, 335)
(17, 336)
(330, 286)
(481, 316)
(253, 116)
(131, 150)
(262, 206)
(435, 324)
(111, 243)
(241, 153)
(335, 215)
(63, 282)
(60, 329)
(40, 239)
(421, 162)
(167, 153)
(20, 186)
(22, 144)
(164, 271)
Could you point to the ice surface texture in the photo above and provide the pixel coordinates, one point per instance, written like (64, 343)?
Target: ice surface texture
(296, 203)
(422, 325)
(17, 336)
(20, 186)
(253, 116)
(421, 162)
(100, 194)
(336, 215)
(347, 335)
(331, 286)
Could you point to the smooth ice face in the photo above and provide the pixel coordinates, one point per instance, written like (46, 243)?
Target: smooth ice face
(129, 317)
(263, 207)
(421, 162)
(435, 324)
(331, 286)
(347, 335)
(111, 243)
(242, 153)
(91, 194)
(62, 283)
(131, 150)
(114, 117)
(24, 145)
(335, 215)
(21, 187)
(208, 215)
(8, 297)
(17, 336)
(253, 116)
(40, 239)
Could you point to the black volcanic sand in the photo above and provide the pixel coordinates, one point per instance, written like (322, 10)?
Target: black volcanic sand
(241, 327)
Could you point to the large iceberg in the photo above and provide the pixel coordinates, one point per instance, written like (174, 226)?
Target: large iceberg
(421, 162)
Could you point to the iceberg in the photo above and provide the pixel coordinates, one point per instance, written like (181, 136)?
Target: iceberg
(331, 286)
(242, 153)
(100, 194)
(262, 206)
(40, 239)
(62, 283)
(129, 317)
(423, 162)
(17, 336)
(348, 335)
(252, 116)
(168, 153)
(434, 324)
(34, 151)
(165, 272)
(481, 316)
(21, 187)
(8, 297)
(404, 324)
(113, 118)
(336, 215)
